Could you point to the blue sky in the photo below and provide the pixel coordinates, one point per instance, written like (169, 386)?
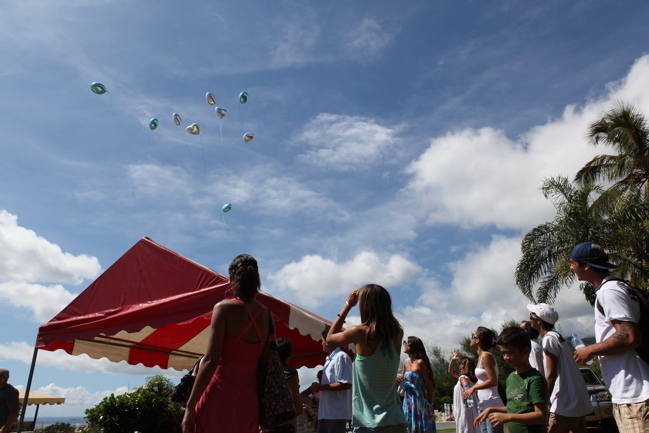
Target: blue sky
(396, 143)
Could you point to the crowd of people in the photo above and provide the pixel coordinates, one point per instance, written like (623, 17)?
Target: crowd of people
(375, 394)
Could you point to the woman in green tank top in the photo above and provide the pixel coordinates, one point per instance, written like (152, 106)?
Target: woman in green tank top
(375, 403)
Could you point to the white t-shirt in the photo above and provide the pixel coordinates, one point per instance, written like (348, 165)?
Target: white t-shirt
(569, 396)
(626, 374)
(537, 357)
(336, 404)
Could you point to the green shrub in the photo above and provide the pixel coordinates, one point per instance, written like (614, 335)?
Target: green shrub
(148, 409)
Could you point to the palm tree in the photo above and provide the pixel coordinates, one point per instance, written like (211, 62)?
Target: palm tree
(544, 267)
(626, 130)
(584, 213)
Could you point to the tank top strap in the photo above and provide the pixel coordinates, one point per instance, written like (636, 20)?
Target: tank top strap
(253, 320)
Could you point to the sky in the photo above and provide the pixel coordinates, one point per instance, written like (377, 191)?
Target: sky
(397, 143)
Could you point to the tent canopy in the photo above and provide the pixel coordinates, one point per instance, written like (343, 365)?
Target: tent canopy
(38, 399)
(154, 306)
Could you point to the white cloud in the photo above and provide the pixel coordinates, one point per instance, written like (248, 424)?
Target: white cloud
(346, 143)
(368, 38)
(25, 256)
(315, 278)
(77, 399)
(27, 259)
(476, 178)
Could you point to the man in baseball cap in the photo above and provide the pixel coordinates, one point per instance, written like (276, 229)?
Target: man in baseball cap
(569, 398)
(9, 406)
(617, 335)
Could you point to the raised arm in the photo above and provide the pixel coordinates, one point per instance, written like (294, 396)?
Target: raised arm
(451, 364)
(352, 335)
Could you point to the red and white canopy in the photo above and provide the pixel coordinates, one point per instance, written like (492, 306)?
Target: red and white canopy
(153, 307)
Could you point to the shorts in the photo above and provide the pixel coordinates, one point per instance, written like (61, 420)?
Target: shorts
(632, 417)
(572, 422)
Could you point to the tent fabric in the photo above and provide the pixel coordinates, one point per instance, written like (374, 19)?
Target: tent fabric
(154, 306)
(36, 398)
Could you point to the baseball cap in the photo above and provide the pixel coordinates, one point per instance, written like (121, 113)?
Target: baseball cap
(4, 372)
(592, 254)
(545, 312)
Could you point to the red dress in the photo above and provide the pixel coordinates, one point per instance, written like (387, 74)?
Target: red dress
(229, 403)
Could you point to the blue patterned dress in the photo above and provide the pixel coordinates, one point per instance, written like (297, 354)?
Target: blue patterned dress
(420, 415)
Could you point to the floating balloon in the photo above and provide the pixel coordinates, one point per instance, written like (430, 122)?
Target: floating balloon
(243, 97)
(247, 137)
(221, 112)
(226, 207)
(98, 88)
(193, 129)
(177, 119)
(153, 124)
(210, 98)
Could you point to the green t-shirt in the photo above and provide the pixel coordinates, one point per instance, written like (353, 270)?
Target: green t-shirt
(523, 391)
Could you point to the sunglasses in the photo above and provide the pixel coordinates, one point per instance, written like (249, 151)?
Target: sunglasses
(473, 337)
(405, 343)
(534, 317)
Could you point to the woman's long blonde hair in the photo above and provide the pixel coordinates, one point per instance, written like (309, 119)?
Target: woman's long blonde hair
(375, 306)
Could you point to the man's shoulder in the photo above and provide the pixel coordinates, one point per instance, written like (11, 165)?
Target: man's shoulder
(338, 353)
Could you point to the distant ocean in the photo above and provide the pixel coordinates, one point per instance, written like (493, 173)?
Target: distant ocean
(44, 421)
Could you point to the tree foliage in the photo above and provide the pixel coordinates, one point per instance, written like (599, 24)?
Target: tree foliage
(147, 409)
(616, 217)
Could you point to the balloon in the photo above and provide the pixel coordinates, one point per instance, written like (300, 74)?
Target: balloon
(210, 98)
(221, 112)
(226, 207)
(153, 124)
(248, 136)
(98, 88)
(243, 97)
(177, 119)
(193, 129)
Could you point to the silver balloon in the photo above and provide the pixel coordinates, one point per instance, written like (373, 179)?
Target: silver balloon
(210, 99)
(177, 119)
(221, 112)
(247, 137)
(193, 129)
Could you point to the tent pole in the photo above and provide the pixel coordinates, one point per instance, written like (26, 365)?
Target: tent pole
(38, 406)
(29, 385)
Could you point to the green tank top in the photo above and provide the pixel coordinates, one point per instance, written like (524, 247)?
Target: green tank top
(375, 399)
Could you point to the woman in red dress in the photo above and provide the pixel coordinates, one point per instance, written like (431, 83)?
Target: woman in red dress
(224, 396)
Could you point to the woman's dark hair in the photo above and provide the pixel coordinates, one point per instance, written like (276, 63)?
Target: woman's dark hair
(486, 337)
(467, 367)
(418, 351)
(375, 306)
(244, 277)
(532, 332)
(284, 349)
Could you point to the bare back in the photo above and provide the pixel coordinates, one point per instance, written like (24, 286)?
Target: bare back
(236, 320)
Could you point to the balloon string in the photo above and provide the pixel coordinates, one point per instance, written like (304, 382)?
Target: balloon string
(110, 99)
(226, 224)
(203, 152)
(186, 146)
(241, 119)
